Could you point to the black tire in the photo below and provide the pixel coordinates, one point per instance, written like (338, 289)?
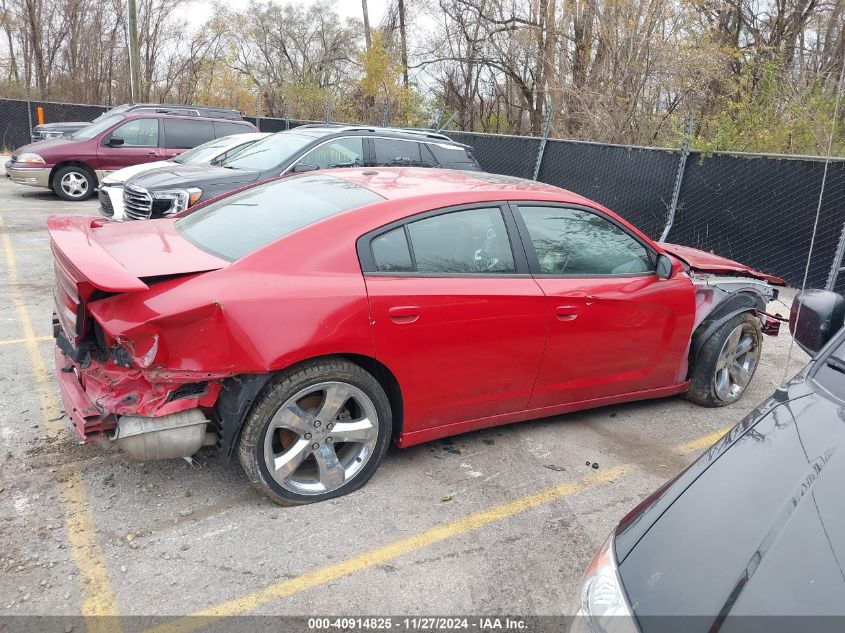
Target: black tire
(703, 388)
(276, 393)
(84, 178)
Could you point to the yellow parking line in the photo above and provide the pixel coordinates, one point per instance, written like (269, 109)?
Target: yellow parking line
(15, 341)
(366, 560)
(384, 554)
(98, 597)
(699, 444)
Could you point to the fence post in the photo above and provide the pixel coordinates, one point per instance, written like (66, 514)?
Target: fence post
(542, 150)
(679, 179)
(836, 266)
(28, 113)
(258, 109)
(385, 116)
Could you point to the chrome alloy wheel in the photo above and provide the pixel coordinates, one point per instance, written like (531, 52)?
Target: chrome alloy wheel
(320, 438)
(737, 362)
(74, 184)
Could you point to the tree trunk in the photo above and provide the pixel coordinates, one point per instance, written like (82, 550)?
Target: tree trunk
(366, 24)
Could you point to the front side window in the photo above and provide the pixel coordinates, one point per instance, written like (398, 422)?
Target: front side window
(138, 133)
(472, 241)
(579, 243)
(342, 152)
(239, 224)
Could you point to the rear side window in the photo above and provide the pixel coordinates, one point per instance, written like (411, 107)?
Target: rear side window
(452, 156)
(225, 129)
(397, 153)
(473, 241)
(187, 133)
(391, 253)
(244, 222)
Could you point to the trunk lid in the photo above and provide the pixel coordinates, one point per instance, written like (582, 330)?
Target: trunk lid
(118, 257)
(96, 255)
(705, 262)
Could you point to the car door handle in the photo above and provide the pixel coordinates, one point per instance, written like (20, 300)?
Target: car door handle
(152, 154)
(566, 313)
(404, 314)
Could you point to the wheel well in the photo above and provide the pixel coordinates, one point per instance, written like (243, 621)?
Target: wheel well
(239, 393)
(737, 304)
(77, 163)
(388, 382)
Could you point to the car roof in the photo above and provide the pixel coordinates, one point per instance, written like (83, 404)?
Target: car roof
(393, 183)
(318, 130)
(132, 114)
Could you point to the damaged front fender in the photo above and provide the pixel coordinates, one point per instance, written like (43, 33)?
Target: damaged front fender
(719, 298)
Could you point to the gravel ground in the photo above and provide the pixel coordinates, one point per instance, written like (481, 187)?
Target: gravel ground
(85, 531)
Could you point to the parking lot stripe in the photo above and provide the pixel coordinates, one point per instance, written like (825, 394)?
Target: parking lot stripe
(98, 597)
(385, 553)
(699, 444)
(16, 341)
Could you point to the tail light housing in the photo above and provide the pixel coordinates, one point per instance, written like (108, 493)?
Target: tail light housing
(69, 307)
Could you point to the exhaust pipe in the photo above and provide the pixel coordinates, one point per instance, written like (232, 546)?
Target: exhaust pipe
(168, 437)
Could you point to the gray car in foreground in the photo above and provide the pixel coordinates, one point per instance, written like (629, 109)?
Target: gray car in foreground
(751, 536)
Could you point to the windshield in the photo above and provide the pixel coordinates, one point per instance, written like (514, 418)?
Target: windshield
(244, 222)
(206, 152)
(90, 131)
(269, 153)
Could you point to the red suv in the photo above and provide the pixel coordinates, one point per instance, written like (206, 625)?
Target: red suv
(73, 167)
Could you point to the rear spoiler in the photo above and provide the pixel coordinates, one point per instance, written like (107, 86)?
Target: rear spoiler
(83, 259)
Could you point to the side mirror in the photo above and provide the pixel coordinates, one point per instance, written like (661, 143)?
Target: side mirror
(115, 141)
(816, 315)
(665, 267)
(300, 168)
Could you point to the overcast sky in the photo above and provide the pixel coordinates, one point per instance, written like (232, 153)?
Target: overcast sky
(201, 9)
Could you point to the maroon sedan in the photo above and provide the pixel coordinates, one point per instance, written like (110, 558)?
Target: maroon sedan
(306, 322)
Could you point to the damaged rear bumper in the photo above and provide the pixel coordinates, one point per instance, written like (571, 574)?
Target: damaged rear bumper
(97, 394)
(86, 418)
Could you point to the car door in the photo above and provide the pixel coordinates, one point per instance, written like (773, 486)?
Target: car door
(132, 143)
(614, 326)
(455, 314)
(184, 134)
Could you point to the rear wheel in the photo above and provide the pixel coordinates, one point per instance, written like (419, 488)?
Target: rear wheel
(74, 183)
(316, 432)
(727, 362)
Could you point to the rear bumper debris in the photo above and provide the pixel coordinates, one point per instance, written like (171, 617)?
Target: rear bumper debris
(98, 394)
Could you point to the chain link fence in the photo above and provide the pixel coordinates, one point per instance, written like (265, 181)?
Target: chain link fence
(757, 209)
(15, 116)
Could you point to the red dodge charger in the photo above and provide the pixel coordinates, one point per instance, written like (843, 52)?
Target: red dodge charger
(303, 323)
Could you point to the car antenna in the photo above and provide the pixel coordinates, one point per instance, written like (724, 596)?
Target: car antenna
(783, 386)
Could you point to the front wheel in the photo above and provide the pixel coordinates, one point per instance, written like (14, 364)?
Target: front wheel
(74, 183)
(316, 432)
(727, 362)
